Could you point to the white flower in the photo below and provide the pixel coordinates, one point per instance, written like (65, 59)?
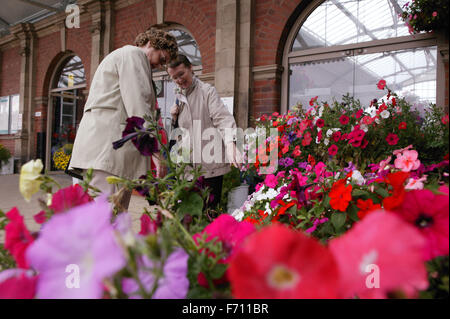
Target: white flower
(321, 110)
(372, 111)
(385, 114)
(357, 177)
(238, 215)
(29, 182)
(326, 141)
(329, 132)
(313, 111)
(268, 210)
(364, 127)
(377, 120)
(317, 140)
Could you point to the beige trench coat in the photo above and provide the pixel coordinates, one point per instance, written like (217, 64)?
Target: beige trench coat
(121, 88)
(203, 106)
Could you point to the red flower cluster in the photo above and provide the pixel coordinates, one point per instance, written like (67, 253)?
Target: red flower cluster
(341, 195)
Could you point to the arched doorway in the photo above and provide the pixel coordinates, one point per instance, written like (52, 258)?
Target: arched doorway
(65, 106)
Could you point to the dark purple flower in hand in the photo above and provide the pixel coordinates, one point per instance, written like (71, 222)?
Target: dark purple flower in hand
(139, 136)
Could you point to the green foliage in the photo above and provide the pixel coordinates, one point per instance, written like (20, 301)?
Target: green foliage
(5, 155)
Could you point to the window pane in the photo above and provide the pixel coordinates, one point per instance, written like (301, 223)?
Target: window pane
(409, 73)
(326, 79)
(339, 22)
(15, 113)
(4, 114)
(72, 73)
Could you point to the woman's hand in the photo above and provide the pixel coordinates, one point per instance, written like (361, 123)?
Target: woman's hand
(233, 155)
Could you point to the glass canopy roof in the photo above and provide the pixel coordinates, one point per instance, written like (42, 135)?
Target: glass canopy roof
(72, 74)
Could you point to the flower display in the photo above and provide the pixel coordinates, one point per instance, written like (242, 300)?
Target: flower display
(352, 204)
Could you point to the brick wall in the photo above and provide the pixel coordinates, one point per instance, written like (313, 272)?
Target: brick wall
(10, 71)
(273, 21)
(199, 19)
(9, 84)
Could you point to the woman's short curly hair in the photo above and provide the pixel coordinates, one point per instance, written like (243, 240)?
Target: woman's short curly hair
(160, 40)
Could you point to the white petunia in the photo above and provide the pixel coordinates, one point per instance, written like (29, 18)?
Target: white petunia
(385, 114)
(326, 141)
(357, 177)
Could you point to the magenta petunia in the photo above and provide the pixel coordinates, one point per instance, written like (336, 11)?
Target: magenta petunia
(344, 119)
(17, 284)
(83, 243)
(429, 213)
(17, 237)
(380, 254)
(271, 181)
(69, 197)
(381, 84)
(332, 150)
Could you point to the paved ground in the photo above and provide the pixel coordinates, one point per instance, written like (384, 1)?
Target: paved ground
(10, 197)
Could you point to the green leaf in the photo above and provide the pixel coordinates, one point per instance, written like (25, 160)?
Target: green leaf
(360, 193)
(218, 271)
(353, 212)
(193, 205)
(338, 220)
(382, 192)
(326, 201)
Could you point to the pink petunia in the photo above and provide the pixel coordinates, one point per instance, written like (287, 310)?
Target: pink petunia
(407, 161)
(416, 183)
(380, 254)
(81, 243)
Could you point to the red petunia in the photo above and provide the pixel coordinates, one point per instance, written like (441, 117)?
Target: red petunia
(320, 123)
(344, 119)
(313, 100)
(397, 181)
(307, 139)
(148, 225)
(402, 126)
(332, 150)
(366, 207)
(340, 195)
(336, 136)
(17, 237)
(381, 84)
(279, 263)
(69, 197)
(392, 139)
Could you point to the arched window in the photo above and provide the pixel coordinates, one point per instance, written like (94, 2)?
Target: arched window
(164, 86)
(346, 46)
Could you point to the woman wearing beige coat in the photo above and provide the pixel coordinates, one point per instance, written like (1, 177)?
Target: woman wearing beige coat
(121, 88)
(198, 110)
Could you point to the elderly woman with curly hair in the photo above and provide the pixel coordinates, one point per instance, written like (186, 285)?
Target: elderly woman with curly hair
(121, 88)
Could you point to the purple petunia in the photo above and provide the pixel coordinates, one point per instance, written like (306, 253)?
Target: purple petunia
(139, 136)
(173, 285)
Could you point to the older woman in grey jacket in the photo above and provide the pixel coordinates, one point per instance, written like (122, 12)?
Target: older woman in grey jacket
(201, 113)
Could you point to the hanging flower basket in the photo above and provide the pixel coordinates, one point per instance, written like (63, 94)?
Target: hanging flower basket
(426, 15)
